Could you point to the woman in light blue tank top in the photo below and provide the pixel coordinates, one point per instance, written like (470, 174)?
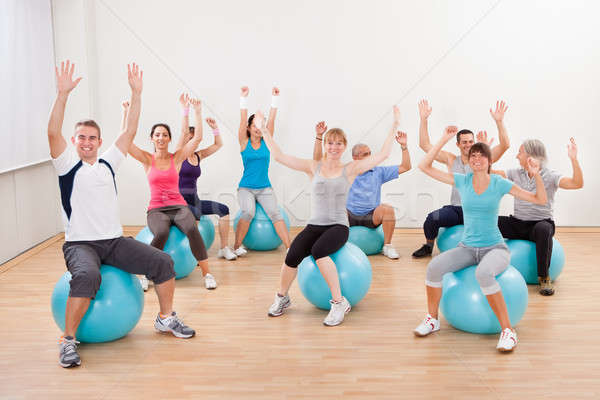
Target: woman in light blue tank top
(255, 185)
(482, 243)
(327, 229)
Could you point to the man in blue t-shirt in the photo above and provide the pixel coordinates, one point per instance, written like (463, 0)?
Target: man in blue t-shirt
(364, 199)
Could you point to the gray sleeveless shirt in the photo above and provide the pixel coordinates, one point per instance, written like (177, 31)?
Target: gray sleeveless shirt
(328, 200)
(459, 168)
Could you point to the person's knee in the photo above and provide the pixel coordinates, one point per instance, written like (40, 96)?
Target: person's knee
(223, 210)
(247, 214)
(85, 282)
(161, 269)
(485, 277)
(274, 214)
(542, 230)
(434, 271)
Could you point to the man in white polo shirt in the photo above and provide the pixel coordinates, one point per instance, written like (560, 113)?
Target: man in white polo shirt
(93, 232)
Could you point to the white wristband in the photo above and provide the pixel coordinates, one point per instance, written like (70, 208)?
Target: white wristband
(274, 101)
(243, 103)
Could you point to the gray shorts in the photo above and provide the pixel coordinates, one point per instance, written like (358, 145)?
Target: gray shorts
(490, 261)
(265, 197)
(362, 220)
(83, 259)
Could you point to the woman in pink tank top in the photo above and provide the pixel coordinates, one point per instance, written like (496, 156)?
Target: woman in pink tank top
(167, 206)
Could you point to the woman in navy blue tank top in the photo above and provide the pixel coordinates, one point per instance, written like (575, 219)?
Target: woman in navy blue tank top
(188, 175)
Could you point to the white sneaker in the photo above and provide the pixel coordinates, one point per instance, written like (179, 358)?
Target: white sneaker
(508, 341)
(209, 282)
(240, 251)
(390, 252)
(279, 305)
(144, 282)
(429, 325)
(337, 312)
(226, 253)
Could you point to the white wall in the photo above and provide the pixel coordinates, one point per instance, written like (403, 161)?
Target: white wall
(346, 62)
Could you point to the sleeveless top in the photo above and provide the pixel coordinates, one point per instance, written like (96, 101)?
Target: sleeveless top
(458, 167)
(164, 187)
(328, 200)
(256, 166)
(188, 175)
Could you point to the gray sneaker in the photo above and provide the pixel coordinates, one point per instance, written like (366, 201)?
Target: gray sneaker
(279, 305)
(174, 325)
(68, 356)
(337, 312)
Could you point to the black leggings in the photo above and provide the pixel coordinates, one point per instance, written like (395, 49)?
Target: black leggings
(540, 232)
(204, 207)
(316, 240)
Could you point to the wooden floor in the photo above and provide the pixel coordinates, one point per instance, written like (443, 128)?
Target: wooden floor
(239, 352)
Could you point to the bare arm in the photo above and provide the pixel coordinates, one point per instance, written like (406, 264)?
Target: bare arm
(358, 167)
(424, 143)
(426, 164)
(125, 105)
(190, 147)
(292, 162)
(242, 136)
(142, 156)
(504, 141)
(402, 141)
(273, 111)
(64, 83)
(218, 143)
(184, 100)
(320, 129)
(135, 78)
(539, 197)
(576, 181)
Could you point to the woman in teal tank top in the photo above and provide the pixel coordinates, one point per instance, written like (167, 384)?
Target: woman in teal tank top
(482, 243)
(255, 185)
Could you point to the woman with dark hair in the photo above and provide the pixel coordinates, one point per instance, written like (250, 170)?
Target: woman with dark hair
(536, 222)
(481, 244)
(255, 185)
(167, 206)
(189, 174)
(328, 228)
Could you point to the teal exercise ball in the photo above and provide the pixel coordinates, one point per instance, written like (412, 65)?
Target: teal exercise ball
(261, 234)
(369, 240)
(523, 257)
(448, 238)
(112, 314)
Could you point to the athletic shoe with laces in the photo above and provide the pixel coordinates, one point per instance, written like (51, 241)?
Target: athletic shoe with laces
(226, 253)
(279, 305)
(337, 312)
(209, 282)
(546, 287)
(429, 325)
(173, 324)
(144, 283)
(390, 252)
(240, 251)
(68, 356)
(424, 251)
(508, 341)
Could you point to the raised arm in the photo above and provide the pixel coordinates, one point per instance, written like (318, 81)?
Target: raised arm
(504, 142)
(424, 143)
(576, 181)
(135, 78)
(64, 84)
(242, 136)
(190, 147)
(321, 128)
(218, 143)
(357, 167)
(402, 138)
(273, 111)
(184, 100)
(125, 105)
(539, 197)
(426, 164)
(292, 162)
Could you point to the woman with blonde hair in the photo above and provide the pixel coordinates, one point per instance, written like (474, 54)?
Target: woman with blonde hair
(327, 229)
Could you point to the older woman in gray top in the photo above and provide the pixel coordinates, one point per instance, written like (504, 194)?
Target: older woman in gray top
(536, 222)
(327, 229)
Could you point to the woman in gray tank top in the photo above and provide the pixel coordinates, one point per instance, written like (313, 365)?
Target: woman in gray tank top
(536, 222)
(327, 229)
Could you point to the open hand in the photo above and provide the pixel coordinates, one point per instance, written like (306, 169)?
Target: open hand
(64, 77)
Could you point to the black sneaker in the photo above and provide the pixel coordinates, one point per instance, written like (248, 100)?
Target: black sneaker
(546, 288)
(68, 356)
(424, 251)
